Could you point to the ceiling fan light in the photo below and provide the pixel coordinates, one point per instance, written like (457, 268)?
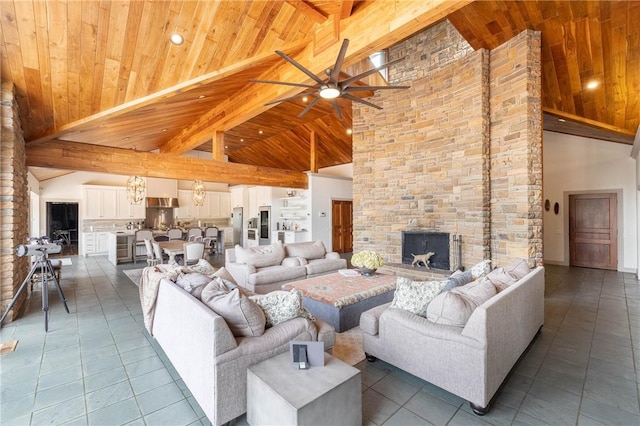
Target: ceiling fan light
(329, 93)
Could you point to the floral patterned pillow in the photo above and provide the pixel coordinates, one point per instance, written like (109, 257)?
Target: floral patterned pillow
(414, 296)
(481, 269)
(280, 306)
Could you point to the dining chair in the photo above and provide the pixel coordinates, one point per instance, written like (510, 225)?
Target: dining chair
(157, 251)
(159, 238)
(210, 239)
(152, 260)
(193, 233)
(138, 247)
(174, 234)
(193, 252)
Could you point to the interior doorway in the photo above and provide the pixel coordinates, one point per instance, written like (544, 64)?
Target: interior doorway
(593, 230)
(342, 226)
(62, 223)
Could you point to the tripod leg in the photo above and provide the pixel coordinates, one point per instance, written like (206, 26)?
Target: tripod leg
(55, 280)
(45, 296)
(20, 290)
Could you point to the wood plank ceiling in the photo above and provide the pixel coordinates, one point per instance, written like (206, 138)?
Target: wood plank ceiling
(104, 74)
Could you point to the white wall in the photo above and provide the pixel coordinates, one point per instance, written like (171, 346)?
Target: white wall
(323, 189)
(571, 165)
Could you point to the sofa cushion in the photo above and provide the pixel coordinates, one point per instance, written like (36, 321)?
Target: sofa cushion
(321, 266)
(517, 269)
(260, 256)
(225, 275)
(500, 279)
(481, 269)
(457, 279)
(308, 250)
(280, 306)
(193, 282)
(456, 306)
(414, 296)
(243, 316)
(273, 274)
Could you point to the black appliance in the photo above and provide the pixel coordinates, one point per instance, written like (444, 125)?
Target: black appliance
(264, 225)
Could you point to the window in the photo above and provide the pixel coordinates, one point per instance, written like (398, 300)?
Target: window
(378, 59)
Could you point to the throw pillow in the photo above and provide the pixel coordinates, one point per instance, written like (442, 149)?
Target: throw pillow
(457, 279)
(260, 256)
(203, 267)
(456, 306)
(481, 269)
(280, 306)
(517, 269)
(414, 296)
(500, 279)
(243, 316)
(307, 250)
(224, 274)
(216, 287)
(193, 282)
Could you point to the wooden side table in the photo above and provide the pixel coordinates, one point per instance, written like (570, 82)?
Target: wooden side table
(278, 393)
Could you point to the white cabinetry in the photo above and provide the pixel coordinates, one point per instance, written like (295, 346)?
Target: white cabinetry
(95, 243)
(125, 210)
(186, 209)
(238, 196)
(216, 204)
(258, 196)
(295, 237)
(100, 203)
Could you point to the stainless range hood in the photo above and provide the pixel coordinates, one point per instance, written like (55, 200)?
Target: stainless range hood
(162, 203)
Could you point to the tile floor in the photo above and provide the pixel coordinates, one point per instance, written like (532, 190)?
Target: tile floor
(96, 365)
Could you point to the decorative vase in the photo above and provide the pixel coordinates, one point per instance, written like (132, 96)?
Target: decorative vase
(367, 272)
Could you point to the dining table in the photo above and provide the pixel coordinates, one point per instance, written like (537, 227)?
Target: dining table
(172, 248)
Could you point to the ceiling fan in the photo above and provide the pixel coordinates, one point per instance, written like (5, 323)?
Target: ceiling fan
(333, 88)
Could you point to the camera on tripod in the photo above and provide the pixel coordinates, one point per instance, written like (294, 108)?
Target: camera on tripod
(39, 246)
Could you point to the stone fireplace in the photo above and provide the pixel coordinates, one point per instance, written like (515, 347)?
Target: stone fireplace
(419, 242)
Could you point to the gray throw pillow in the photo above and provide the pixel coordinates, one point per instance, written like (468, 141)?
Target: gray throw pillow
(517, 269)
(500, 279)
(243, 316)
(193, 282)
(457, 279)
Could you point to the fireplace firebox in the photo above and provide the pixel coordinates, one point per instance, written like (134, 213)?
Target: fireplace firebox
(420, 242)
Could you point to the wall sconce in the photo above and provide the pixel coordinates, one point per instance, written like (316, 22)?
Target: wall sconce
(198, 192)
(136, 188)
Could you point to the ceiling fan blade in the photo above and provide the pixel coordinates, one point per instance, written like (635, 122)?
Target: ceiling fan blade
(336, 107)
(300, 67)
(362, 101)
(308, 107)
(335, 72)
(346, 83)
(363, 88)
(285, 83)
(299, 95)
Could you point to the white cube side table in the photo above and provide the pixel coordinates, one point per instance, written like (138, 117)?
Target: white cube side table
(278, 393)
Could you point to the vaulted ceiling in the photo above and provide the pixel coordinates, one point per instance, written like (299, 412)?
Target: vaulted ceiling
(100, 86)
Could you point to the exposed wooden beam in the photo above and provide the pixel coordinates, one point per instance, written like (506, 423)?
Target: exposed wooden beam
(393, 21)
(313, 148)
(217, 148)
(587, 122)
(345, 10)
(95, 158)
(309, 10)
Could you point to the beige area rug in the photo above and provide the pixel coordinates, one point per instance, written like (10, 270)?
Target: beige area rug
(348, 346)
(134, 275)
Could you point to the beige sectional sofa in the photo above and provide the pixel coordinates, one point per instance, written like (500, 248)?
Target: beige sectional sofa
(210, 359)
(465, 349)
(265, 268)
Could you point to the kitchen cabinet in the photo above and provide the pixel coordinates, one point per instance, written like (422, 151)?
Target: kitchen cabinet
(258, 196)
(296, 236)
(95, 243)
(125, 210)
(216, 205)
(238, 196)
(100, 203)
(186, 210)
(120, 247)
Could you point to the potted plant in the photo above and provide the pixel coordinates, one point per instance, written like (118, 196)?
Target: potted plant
(367, 261)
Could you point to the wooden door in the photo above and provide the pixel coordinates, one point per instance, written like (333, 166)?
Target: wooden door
(342, 226)
(593, 231)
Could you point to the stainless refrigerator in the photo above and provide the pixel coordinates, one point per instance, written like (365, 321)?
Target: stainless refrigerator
(237, 225)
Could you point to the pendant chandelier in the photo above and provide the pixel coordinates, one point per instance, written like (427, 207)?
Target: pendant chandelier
(136, 188)
(198, 193)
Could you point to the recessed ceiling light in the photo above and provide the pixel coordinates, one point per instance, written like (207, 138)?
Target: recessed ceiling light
(164, 130)
(562, 120)
(176, 39)
(592, 84)
(241, 140)
(305, 99)
(260, 132)
(349, 131)
(201, 97)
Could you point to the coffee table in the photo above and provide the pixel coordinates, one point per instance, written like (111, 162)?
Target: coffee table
(280, 394)
(339, 300)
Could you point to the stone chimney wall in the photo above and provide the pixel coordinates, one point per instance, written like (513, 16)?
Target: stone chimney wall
(442, 155)
(14, 205)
